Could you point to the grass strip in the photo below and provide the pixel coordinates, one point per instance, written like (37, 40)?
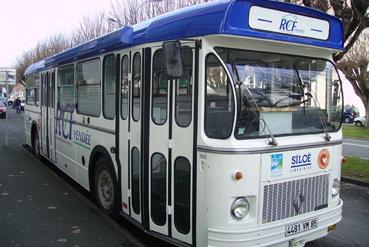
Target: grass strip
(356, 168)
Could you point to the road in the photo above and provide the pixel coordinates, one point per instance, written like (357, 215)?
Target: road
(358, 148)
(42, 207)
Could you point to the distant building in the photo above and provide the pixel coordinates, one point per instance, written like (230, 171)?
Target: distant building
(11, 80)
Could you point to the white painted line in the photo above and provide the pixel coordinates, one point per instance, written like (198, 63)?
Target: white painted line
(352, 144)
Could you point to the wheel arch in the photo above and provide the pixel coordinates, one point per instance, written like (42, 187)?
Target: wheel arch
(97, 152)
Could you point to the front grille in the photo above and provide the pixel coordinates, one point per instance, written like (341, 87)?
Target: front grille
(288, 199)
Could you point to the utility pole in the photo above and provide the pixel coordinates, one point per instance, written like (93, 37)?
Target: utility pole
(6, 105)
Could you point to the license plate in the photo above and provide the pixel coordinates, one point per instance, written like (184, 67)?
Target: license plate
(301, 227)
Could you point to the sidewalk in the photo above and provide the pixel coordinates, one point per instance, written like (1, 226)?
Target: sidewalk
(38, 208)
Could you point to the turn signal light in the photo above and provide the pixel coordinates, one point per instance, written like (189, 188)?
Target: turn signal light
(238, 176)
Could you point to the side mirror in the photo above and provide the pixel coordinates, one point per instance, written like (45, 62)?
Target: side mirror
(173, 58)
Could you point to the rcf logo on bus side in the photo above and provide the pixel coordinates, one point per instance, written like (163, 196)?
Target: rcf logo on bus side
(288, 23)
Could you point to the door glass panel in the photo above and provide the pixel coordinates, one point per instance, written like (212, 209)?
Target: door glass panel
(125, 87)
(159, 90)
(158, 189)
(53, 89)
(136, 90)
(135, 177)
(184, 84)
(182, 195)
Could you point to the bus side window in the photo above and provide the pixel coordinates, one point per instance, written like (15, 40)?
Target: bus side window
(89, 88)
(36, 89)
(125, 87)
(109, 86)
(219, 104)
(66, 88)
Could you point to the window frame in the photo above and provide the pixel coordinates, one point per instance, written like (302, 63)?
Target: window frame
(205, 96)
(76, 85)
(103, 85)
(58, 85)
(176, 96)
(152, 91)
(132, 87)
(121, 86)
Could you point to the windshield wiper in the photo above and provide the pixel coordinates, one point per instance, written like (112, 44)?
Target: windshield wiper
(327, 137)
(272, 141)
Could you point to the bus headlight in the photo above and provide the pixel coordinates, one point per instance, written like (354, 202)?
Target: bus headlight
(336, 187)
(240, 208)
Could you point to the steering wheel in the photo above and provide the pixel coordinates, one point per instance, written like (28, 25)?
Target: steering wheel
(264, 97)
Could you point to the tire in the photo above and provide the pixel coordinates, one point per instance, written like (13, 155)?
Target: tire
(36, 144)
(347, 120)
(106, 189)
(358, 124)
(10, 103)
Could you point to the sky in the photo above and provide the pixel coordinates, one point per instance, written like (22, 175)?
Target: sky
(24, 23)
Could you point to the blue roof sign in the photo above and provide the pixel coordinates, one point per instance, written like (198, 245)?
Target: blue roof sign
(288, 23)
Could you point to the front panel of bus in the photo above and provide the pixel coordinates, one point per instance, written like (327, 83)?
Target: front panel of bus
(269, 149)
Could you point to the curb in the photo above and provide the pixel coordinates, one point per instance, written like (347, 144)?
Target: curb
(354, 181)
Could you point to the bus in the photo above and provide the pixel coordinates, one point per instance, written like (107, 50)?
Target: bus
(214, 125)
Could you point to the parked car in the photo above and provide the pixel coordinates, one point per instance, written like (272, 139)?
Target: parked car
(360, 121)
(2, 110)
(349, 115)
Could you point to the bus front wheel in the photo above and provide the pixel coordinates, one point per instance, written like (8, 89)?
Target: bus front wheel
(106, 192)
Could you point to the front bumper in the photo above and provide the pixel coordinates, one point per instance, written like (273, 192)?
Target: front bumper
(273, 234)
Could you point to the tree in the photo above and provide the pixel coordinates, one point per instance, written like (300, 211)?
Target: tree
(128, 13)
(355, 67)
(91, 27)
(48, 47)
(353, 60)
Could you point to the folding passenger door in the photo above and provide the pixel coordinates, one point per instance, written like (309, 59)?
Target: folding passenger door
(171, 138)
(124, 130)
(44, 114)
(130, 133)
(51, 114)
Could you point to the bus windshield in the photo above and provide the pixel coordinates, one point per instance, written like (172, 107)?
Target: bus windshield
(283, 94)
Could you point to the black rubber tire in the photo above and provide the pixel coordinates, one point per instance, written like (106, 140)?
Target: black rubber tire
(358, 124)
(104, 166)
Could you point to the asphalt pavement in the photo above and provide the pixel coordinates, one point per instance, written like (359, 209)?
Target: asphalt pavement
(39, 206)
(357, 148)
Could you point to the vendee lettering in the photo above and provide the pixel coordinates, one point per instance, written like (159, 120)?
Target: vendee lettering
(82, 137)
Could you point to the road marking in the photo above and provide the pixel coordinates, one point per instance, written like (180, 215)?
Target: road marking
(352, 144)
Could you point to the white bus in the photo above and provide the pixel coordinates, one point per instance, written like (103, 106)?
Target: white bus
(215, 125)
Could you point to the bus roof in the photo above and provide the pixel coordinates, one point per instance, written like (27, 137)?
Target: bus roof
(262, 19)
